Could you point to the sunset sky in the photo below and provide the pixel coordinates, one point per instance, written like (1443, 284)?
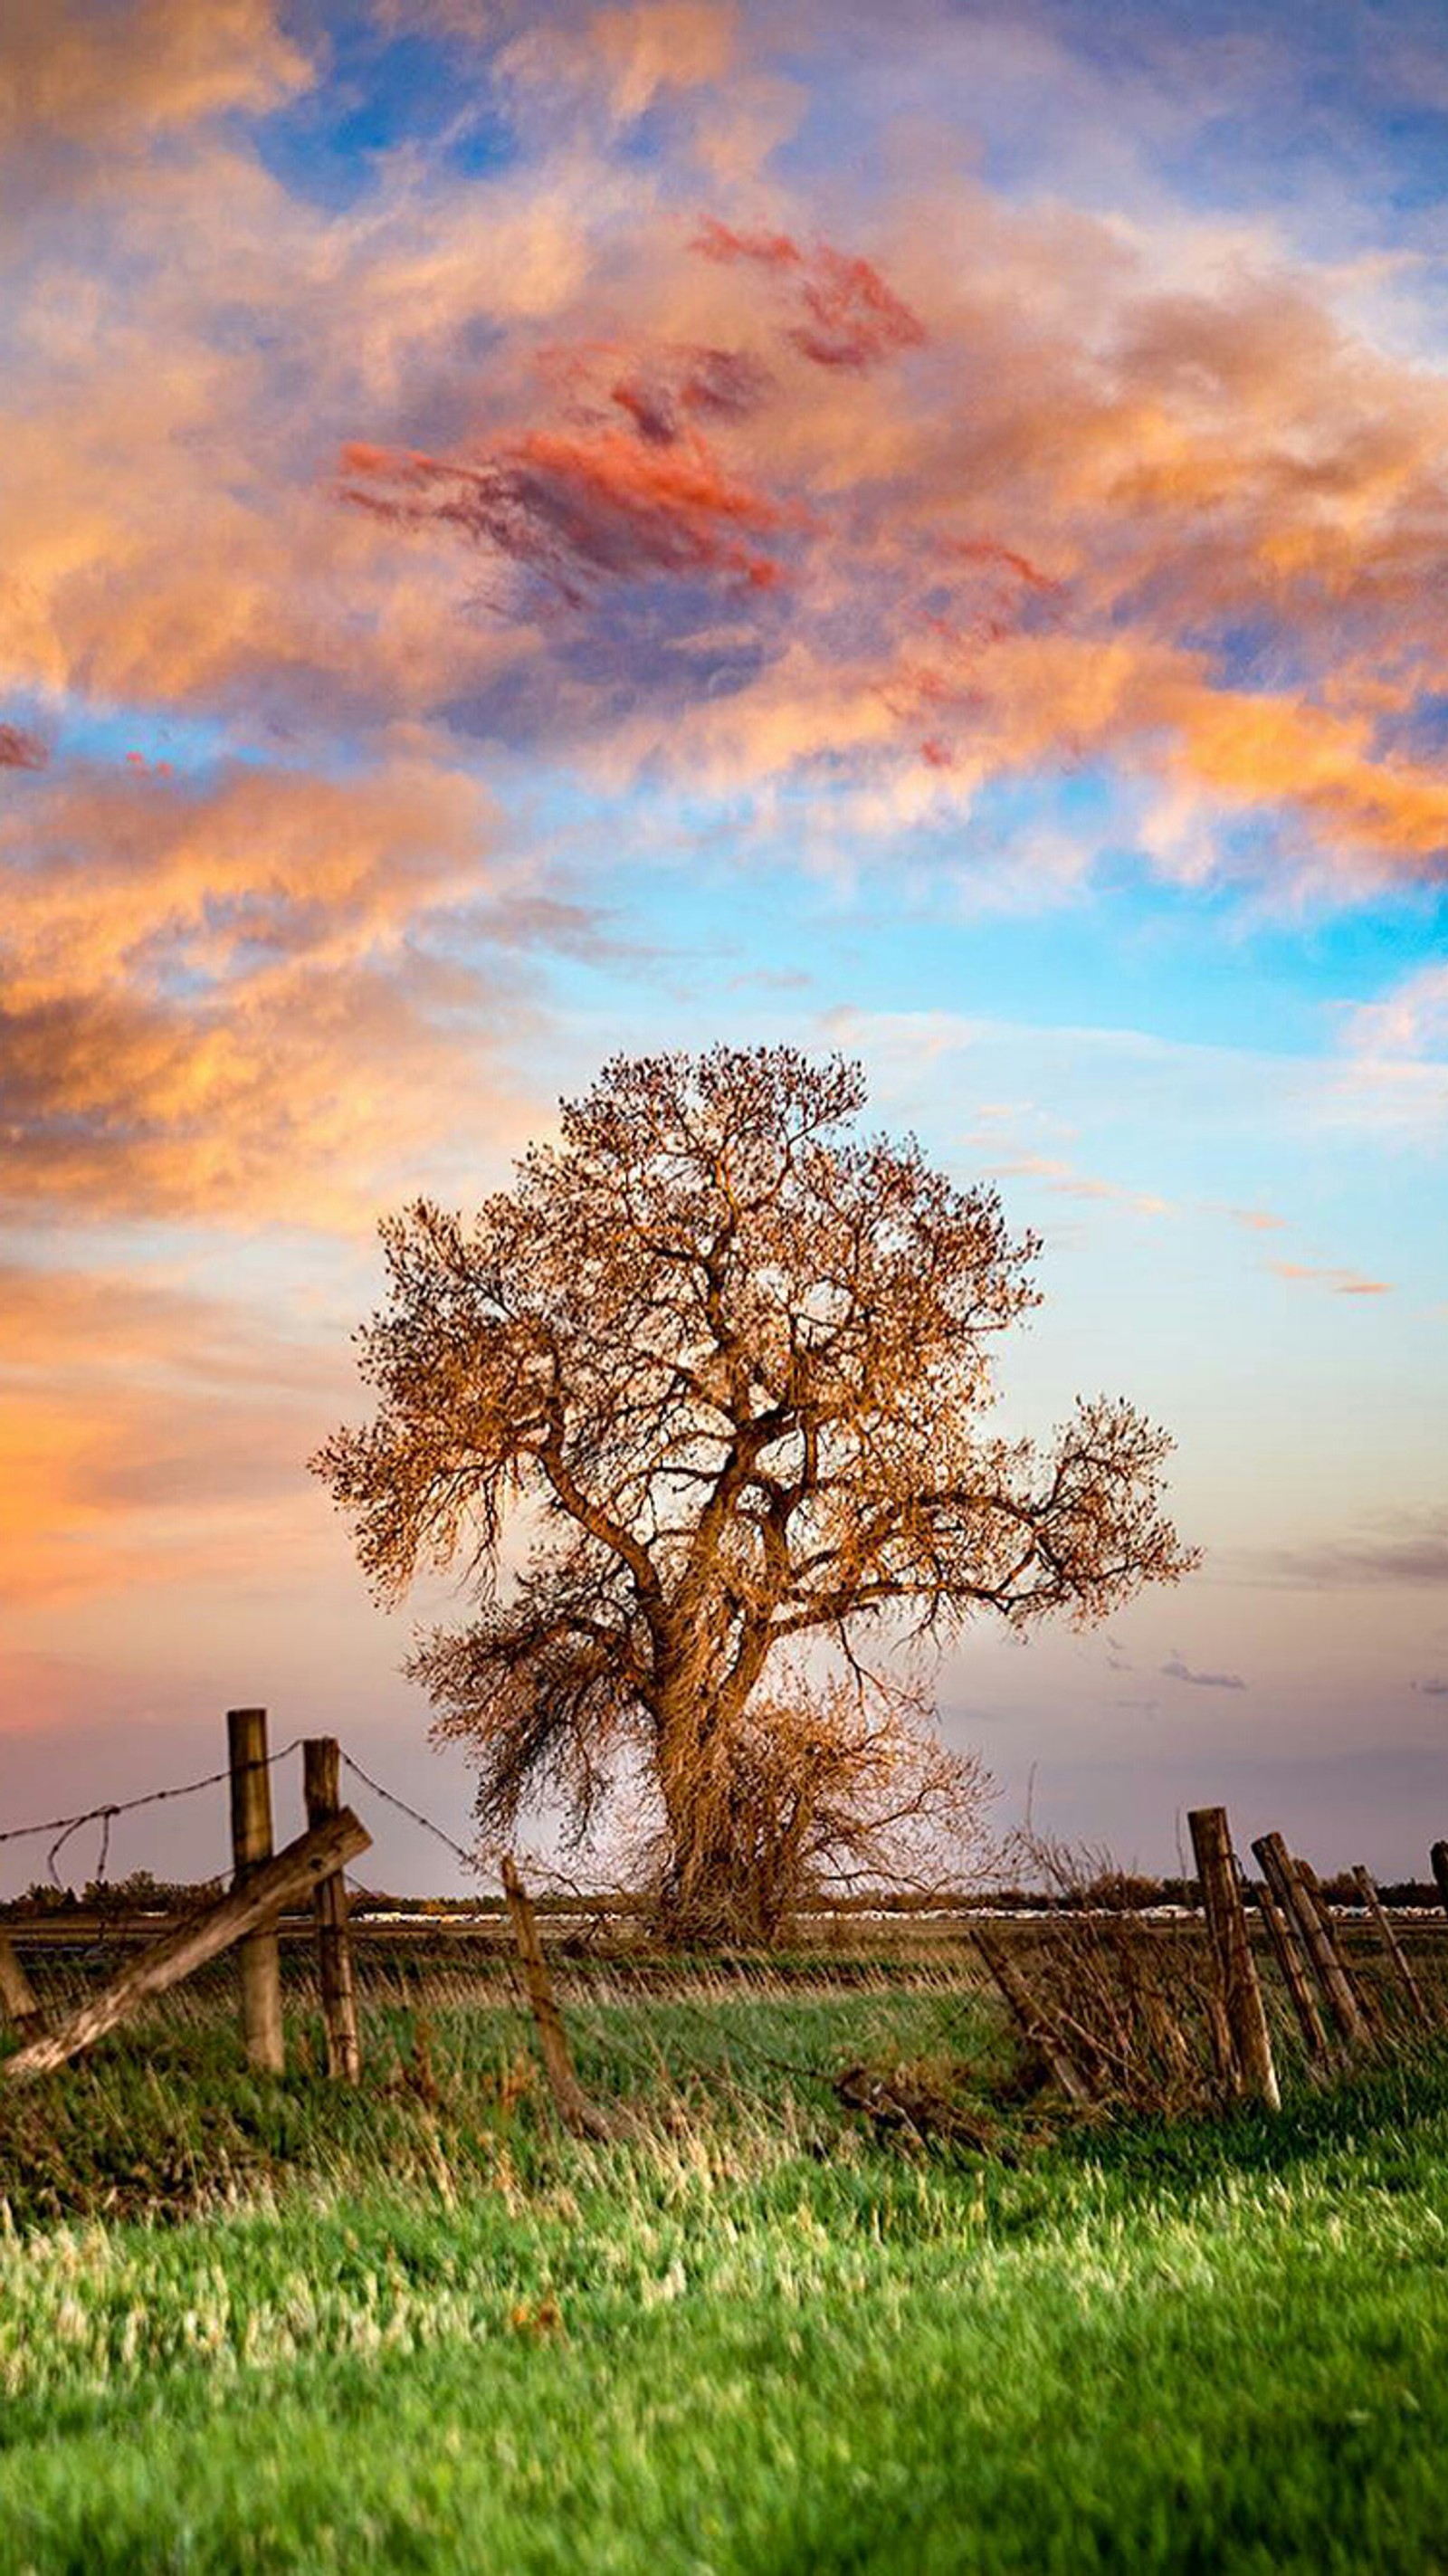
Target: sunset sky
(531, 533)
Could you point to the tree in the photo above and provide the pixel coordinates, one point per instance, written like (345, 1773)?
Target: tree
(724, 1363)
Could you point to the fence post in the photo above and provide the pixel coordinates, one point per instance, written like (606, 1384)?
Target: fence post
(1386, 1934)
(1440, 1871)
(17, 1997)
(1035, 2029)
(1295, 1899)
(1227, 1925)
(1367, 2010)
(571, 2102)
(1287, 1949)
(321, 1780)
(251, 1848)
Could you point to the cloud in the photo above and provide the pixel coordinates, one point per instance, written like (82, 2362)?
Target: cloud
(91, 74)
(1194, 542)
(1061, 1177)
(1175, 1670)
(246, 994)
(1411, 1021)
(1407, 1551)
(627, 56)
(849, 319)
(1436, 1687)
(992, 489)
(152, 1431)
(617, 504)
(1343, 1283)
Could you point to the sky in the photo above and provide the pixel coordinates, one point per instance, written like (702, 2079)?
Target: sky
(537, 532)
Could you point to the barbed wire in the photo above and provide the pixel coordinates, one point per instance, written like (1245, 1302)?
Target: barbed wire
(63, 1827)
(468, 1859)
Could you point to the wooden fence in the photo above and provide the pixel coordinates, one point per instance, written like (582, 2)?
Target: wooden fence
(1334, 2013)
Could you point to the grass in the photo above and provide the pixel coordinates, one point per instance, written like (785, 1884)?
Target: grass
(418, 2329)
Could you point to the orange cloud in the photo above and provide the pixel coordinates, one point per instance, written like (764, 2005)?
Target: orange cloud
(661, 44)
(625, 57)
(223, 998)
(1198, 534)
(98, 75)
(150, 1430)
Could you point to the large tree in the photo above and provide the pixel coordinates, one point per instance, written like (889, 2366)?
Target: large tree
(721, 1367)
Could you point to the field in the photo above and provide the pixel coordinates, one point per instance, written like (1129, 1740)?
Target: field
(275, 2326)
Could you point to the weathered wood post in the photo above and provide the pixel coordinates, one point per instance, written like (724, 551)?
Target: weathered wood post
(1031, 2023)
(1313, 1884)
(251, 1849)
(571, 2102)
(1287, 1950)
(1389, 1939)
(17, 1996)
(1440, 1871)
(1237, 1969)
(322, 1782)
(1285, 1880)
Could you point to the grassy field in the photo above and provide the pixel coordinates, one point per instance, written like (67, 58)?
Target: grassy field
(275, 2327)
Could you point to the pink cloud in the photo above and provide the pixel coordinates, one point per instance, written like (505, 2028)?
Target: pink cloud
(601, 499)
(852, 319)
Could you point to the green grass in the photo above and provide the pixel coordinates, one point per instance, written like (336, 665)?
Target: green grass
(420, 2330)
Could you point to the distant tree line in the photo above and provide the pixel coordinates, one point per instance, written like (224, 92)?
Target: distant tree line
(1110, 1890)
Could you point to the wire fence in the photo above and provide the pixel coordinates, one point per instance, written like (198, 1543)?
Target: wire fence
(63, 1829)
(1102, 2008)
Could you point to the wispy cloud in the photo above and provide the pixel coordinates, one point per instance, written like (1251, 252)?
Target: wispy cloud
(1407, 1550)
(1343, 1283)
(1058, 1175)
(1175, 1670)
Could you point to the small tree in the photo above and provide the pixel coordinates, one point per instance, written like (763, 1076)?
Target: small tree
(829, 1787)
(738, 1359)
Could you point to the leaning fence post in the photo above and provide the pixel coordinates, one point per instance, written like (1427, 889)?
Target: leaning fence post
(1287, 1949)
(1288, 1886)
(1389, 1939)
(1328, 1920)
(1440, 1871)
(1227, 1926)
(251, 1848)
(17, 1996)
(321, 1780)
(1032, 2024)
(571, 2102)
